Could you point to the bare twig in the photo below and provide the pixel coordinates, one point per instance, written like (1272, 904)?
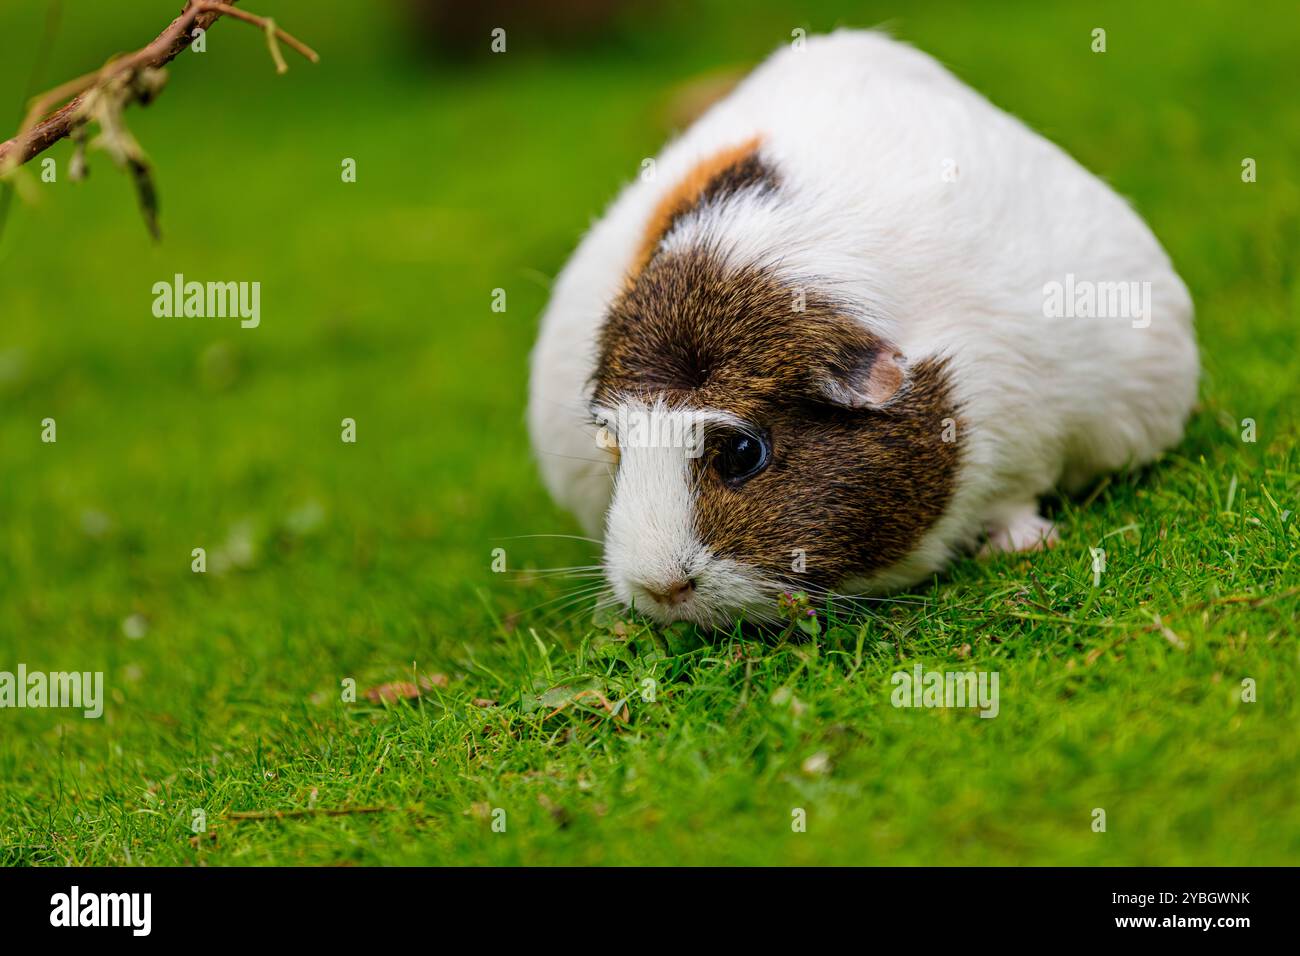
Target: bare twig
(272, 30)
(42, 128)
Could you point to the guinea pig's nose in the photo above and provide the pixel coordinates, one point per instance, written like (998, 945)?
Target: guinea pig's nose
(676, 593)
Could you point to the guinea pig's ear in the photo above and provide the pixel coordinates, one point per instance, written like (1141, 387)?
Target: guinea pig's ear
(867, 377)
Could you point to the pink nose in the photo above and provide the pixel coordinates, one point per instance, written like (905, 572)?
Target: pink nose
(678, 592)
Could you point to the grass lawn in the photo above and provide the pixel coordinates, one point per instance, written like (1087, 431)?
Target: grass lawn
(370, 562)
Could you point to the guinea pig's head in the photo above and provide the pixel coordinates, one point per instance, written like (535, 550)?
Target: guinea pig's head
(765, 441)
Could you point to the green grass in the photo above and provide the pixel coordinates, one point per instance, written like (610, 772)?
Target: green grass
(371, 561)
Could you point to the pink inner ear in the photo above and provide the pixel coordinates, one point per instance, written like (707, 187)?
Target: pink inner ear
(885, 378)
(869, 386)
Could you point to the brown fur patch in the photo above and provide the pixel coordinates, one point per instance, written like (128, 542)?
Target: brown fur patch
(727, 171)
(854, 489)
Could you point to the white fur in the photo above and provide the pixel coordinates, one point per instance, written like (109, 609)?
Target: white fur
(860, 129)
(650, 544)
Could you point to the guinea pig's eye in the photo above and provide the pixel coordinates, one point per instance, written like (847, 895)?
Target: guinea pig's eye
(740, 456)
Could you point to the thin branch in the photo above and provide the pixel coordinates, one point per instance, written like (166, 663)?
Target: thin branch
(38, 135)
(267, 24)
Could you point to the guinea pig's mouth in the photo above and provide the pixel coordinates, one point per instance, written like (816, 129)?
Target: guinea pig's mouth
(712, 593)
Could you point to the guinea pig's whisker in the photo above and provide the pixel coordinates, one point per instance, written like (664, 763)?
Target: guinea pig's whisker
(558, 573)
(600, 599)
(572, 614)
(561, 602)
(574, 617)
(589, 577)
(580, 591)
(857, 602)
(595, 461)
(540, 572)
(779, 586)
(571, 537)
(868, 601)
(759, 617)
(569, 405)
(836, 598)
(575, 577)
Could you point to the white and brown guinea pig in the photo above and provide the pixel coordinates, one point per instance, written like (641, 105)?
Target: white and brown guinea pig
(839, 290)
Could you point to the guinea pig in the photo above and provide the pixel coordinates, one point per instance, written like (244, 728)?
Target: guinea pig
(853, 322)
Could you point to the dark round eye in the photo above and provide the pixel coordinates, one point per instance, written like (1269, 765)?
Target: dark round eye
(740, 456)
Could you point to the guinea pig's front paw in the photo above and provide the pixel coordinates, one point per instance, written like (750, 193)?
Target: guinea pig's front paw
(1022, 529)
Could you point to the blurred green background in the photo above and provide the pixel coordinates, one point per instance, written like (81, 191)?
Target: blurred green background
(330, 560)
